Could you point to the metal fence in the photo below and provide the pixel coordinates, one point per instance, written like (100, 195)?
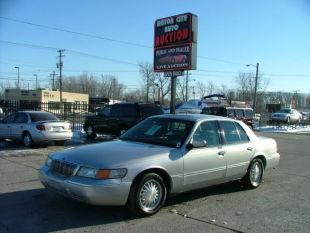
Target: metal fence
(75, 113)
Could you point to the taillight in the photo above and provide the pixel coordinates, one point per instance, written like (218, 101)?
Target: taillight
(41, 127)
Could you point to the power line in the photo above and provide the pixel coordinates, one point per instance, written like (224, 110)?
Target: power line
(108, 39)
(76, 33)
(69, 50)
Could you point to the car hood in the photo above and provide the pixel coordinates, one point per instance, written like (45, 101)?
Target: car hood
(112, 154)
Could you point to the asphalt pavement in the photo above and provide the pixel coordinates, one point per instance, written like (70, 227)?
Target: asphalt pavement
(280, 204)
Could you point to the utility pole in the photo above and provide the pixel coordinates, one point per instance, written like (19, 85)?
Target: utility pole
(186, 87)
(36, 80)
(53, 80)
(255, 88)
(173, 92)
(17, 67)
(194, 93)
(147, 88)
(60, 65)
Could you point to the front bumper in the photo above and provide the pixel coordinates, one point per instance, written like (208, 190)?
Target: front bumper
(272, 160)
(111, 192)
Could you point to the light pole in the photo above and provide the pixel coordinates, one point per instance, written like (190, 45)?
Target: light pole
(255, 86)
(17, 67)
(36, 80)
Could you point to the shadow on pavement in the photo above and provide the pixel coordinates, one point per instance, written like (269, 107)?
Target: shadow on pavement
(38, 210)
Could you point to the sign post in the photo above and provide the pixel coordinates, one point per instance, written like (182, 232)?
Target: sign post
(175, 48)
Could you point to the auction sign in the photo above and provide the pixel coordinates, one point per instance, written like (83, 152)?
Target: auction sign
(175, 43)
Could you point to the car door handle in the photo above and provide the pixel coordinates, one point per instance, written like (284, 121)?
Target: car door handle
(222, 152)
(250, 148)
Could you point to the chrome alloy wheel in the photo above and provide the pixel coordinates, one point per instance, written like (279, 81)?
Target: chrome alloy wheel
(89, 130)
(256, 173)
(150, 195)
(27, 140)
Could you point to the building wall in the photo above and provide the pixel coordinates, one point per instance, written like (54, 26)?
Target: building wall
(45, 96)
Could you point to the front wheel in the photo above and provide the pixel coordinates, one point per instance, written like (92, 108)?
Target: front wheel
(27, 140)
(90, 132)
(147, 195)
(254, 176)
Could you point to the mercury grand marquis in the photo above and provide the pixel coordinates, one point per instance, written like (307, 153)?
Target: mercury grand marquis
(161, 156)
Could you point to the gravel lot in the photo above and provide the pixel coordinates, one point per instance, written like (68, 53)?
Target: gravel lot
(281, 204)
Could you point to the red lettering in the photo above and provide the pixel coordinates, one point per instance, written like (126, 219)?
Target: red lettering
(179, 35)
(157, 43)
(172, 37)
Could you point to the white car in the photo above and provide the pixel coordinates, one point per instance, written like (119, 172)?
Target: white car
(32, 127)
(287, 115)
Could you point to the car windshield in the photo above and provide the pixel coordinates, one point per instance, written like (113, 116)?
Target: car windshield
(42, 116)
(285, 111)
(160, 131)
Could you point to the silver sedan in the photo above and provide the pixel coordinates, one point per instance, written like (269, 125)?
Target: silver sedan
(34, 127)
(161, 156)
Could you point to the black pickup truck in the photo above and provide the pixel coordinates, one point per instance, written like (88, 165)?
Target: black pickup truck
(116, 119)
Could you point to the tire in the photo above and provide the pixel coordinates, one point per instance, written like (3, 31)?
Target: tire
(140, 191)
(255, 173)
(90, 132)
(27, 140)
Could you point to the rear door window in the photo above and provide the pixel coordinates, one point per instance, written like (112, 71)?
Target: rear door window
(243, 135)
(230, 132)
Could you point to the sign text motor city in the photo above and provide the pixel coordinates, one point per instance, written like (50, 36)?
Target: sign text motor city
(172, 32)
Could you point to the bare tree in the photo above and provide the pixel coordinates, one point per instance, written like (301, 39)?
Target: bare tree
(246, 85)
(152, 83)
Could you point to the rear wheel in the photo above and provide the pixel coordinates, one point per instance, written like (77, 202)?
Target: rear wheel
(147, 195)
(27, 140)
(90, 132)
(255, 173)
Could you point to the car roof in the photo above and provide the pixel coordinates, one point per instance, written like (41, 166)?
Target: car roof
(192, 117)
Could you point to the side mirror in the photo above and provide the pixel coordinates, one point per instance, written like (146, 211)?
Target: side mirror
(196, 144)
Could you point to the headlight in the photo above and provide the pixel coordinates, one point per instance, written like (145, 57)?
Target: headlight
(102, 173)
(48, 162)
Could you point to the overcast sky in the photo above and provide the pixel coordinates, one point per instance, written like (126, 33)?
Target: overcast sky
(231, 34)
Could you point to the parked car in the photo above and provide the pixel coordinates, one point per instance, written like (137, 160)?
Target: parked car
(190, 107)
(287, 115)
(244, 114)
(116, 119)
(159, 157)
(32, 127)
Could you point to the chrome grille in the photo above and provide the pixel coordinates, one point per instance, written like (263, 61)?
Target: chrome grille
(63, 167)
